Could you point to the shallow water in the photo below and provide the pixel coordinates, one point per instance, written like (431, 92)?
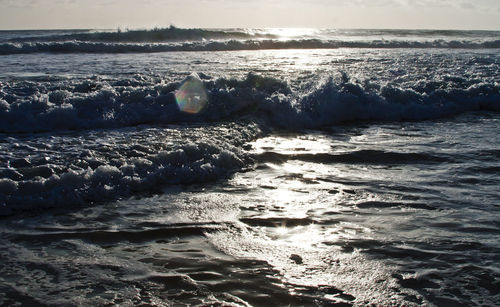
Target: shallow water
(396, 213)
(348, 176)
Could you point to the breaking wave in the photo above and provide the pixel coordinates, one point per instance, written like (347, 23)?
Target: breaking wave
(48, 185)
(101, 171)
(83, 168)
(28, 107)
(171, 33)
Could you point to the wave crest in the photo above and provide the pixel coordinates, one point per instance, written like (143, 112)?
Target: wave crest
(76, 46)
(95, 104)
(171, 33)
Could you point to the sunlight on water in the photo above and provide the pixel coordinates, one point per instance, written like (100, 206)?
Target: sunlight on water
(299, 168)
(308, 225)
(292, 33)
(191, 97)
(292, 145)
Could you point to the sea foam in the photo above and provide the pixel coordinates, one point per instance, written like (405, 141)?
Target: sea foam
(27, 107)
(106, 176)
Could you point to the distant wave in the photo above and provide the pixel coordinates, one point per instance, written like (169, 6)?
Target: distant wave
(414, 33)
(97, 104)
(179, 39)
(153, 35)
(232, 45)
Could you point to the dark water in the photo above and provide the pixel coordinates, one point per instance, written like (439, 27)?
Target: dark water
(403, 214)
(354, 174)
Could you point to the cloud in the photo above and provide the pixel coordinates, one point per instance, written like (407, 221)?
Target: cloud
(16, 3)
(255, 13)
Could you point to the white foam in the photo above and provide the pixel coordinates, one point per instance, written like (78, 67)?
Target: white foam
(329, 102)
(184, 164)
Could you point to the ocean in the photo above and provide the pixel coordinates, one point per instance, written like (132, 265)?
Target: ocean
(250, 167)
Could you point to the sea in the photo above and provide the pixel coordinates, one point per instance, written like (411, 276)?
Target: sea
(249, 167)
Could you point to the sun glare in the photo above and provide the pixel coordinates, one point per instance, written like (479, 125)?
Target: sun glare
(292, 33)
(191, 97)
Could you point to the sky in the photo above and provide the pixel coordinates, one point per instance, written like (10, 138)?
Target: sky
(134, 14)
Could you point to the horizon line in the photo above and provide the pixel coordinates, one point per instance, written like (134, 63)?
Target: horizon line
(124, 28)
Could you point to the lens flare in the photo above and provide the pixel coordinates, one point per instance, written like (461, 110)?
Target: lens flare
(191, 97)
